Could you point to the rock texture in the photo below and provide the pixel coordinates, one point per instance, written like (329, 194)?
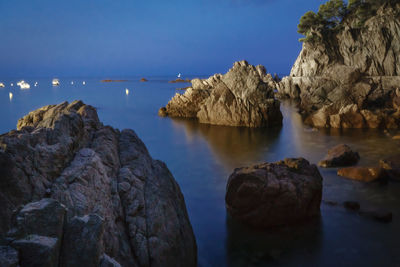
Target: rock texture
(272, 194)
(243, 96)
(392, 167)
(350, 80)
(340, 155)
(363, 174)
(87, 193)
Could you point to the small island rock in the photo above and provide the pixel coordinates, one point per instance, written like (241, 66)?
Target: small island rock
(340, 155)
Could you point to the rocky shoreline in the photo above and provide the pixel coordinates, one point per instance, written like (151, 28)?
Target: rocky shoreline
(87, 193)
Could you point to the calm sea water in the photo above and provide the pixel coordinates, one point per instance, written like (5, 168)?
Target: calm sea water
(201, 157)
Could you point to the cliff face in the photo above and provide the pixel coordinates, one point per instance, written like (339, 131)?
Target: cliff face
(241, 97)
(114, 202)
(352, 75)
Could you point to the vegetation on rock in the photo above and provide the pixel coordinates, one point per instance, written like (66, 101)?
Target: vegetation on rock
(332, 15)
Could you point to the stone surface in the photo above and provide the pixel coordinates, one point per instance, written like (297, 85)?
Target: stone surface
(63, 152)
(272, 194)
(356, 76)
(8, 257)
(363, 174)
(243, 96)
(340, 155)
(392, 167)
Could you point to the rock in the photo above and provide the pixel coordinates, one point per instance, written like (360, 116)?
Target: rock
(378, 215)
(64, 153)
(8, 257)
(179, 80)
(82, 243)
(272, 194)
(37, 251)
(143, 80)
(355, 75)
(244, 96)
(162, 112)
(340, 155)
(351, 205)
(363, 174)
(31, 219)
(392, 167)
(106, 261)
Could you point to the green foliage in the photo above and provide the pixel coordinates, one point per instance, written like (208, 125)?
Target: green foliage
(331, 15)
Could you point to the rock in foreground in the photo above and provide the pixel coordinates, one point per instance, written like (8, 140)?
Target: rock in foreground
(241, 97)
(363, 174)
(340, 155)
(272, 194)
(91, 195)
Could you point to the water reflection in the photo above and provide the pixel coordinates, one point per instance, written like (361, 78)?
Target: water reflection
(232, 146)
(247, 247)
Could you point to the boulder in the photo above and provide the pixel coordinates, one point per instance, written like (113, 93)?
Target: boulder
(363, 174)
(272, 194)
(37, 251)
(82, 243)
(243, 96)
(67, 169)
(340, 155)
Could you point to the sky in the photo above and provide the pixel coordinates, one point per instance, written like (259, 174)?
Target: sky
(118, 38)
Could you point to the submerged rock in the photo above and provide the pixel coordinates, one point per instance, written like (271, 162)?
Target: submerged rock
(348, 79)
(340, 155)
(93, 185)
(243, 96)
(363, 174)
(272, 194)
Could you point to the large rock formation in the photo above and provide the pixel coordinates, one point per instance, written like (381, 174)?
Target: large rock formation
(92, 188)
(350, 79)
(243, 96)
(272, 194)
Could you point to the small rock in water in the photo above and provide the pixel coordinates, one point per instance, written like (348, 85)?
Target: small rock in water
(391, 166)
(363, 174)
(378, 215)
(340, 155)
(351, 205)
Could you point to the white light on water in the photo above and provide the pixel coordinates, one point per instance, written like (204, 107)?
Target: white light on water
(12, 84)
(83, 82)
(127, 91)
(72, 83)
(10, 95)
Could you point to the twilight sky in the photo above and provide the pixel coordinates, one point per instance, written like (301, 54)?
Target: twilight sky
(134, 38)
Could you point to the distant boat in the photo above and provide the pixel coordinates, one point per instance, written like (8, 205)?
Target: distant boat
(179, 75)
(12, 84)
(83, 82)
(72, 82)
(10, 95)
(127, 91)
(36, 84)
(2, 85)
(55, 82)
(23, 85)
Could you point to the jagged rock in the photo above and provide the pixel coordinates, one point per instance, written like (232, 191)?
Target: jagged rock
(37, 251)
(340, 155)
(63, 152)
(243, 96)
(364, 174)
(82, 244)
(106, 261)
(392, 167)
(356, 76)
(271, 194)
(8, 257)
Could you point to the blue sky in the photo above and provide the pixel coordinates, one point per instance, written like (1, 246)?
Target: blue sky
(134, 38)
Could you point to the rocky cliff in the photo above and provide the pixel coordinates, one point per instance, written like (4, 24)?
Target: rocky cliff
(243, 96)
(76, 192)
(350, 79)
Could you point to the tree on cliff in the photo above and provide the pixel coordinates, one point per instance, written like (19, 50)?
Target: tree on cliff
(331, 15)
